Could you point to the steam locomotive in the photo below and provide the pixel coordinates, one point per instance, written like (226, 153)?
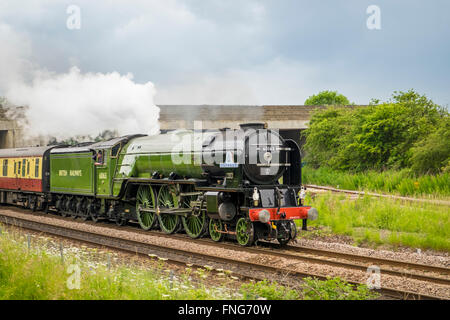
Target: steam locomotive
(243, 184)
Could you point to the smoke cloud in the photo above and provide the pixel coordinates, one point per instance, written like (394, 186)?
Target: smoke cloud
(73, 103)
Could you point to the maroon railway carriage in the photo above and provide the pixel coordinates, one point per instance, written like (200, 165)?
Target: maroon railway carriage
(24, 173)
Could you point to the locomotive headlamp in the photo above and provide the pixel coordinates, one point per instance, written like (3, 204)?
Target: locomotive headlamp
(302, 193)
(255, 197)
(264, 216)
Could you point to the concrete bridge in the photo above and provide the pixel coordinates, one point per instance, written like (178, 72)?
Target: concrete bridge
(10, 134)
(230, 116)
(289, 119)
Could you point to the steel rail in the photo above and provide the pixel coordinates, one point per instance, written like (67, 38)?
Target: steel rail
(299, 251)
(374, 260)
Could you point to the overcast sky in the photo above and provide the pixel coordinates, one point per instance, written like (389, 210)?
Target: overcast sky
(241, 52)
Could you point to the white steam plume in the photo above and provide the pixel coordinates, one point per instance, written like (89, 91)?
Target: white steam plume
(64, 105)
(74, 103)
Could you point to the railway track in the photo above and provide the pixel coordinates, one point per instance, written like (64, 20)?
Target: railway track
(405, 269)
(361, 193)
(246, 269)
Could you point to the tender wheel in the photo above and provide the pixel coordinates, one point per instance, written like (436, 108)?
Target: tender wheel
(167, 199)
(65, 207)
(145, 199)
(84, 216)
(196, 224)
(92, 212)
(73, 208)
(245, 233)
(59, 204)
(215, 225)
(83, 210)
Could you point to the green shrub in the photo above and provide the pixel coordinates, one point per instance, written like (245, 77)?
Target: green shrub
(432, 153)
(379, 137)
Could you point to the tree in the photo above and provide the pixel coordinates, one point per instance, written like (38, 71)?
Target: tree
(327, 98)
(409, 130)
(432, 153)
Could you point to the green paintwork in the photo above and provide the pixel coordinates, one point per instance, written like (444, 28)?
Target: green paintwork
(76, 173)
(72, 173)
(141, 157)
(105, 174)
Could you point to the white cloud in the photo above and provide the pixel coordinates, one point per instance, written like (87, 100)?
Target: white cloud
(278, 82)
(14, 54)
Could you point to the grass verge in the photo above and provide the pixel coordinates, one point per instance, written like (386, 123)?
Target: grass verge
(39, 274)
(384, 221)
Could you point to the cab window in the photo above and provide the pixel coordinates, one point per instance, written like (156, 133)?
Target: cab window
(100, 157)
(115, 150)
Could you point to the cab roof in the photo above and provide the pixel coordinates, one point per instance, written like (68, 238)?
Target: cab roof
(96, 145)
